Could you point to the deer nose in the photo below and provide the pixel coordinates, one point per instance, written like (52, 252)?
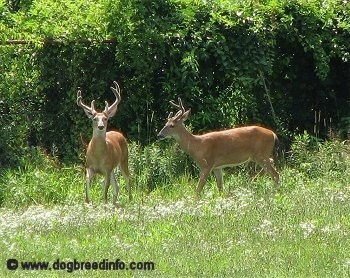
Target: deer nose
(100, 127)
(160, 134)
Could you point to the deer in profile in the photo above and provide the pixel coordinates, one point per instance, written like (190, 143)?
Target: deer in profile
(106, 150)
(216, 150)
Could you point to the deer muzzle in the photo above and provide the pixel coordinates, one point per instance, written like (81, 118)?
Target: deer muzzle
(100, 125)
(162, 133)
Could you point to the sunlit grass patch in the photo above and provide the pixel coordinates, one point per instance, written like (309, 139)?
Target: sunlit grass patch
(244, 234)
(298, 228)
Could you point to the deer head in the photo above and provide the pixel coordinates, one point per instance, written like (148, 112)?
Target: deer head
(175, 122)
(100, 118)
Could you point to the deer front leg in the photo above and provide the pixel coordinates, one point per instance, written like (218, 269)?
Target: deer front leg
(89, 175)
(202, 180)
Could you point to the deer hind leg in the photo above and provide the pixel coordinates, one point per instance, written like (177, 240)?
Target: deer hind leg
(257, 175)
(89, 175)
(219, 179)
(115, 188)
(126, 174)
(268, 166)
(106, 186)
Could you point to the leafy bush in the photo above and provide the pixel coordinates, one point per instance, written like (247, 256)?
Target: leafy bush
(316, 159)
(41, 180)
(232, 62)
(156, 166)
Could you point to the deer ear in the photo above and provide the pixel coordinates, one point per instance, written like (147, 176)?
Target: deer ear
(89, 114)
(185, 115)
(111, 111)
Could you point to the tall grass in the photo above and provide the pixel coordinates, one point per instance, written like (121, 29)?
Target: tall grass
(43, 180)
(299, 229)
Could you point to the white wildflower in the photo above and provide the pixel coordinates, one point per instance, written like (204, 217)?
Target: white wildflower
(328, 229)
(307, 228)
(347, 263)
(266, 228)
(339, 197)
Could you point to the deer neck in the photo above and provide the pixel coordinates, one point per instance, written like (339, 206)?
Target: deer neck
(186, 140)
(98, 141)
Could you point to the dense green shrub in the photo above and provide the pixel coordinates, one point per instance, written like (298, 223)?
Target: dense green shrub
(233, 62)
(316, 159)
(158, 165)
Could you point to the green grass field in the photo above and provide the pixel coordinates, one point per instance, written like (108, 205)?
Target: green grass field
(299, 229)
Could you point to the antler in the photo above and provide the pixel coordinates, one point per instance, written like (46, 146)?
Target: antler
(110, 110)
(89, 110)
(170, 115)
(179, 106)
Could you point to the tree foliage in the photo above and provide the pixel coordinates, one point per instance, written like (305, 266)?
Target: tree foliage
(232, 62)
